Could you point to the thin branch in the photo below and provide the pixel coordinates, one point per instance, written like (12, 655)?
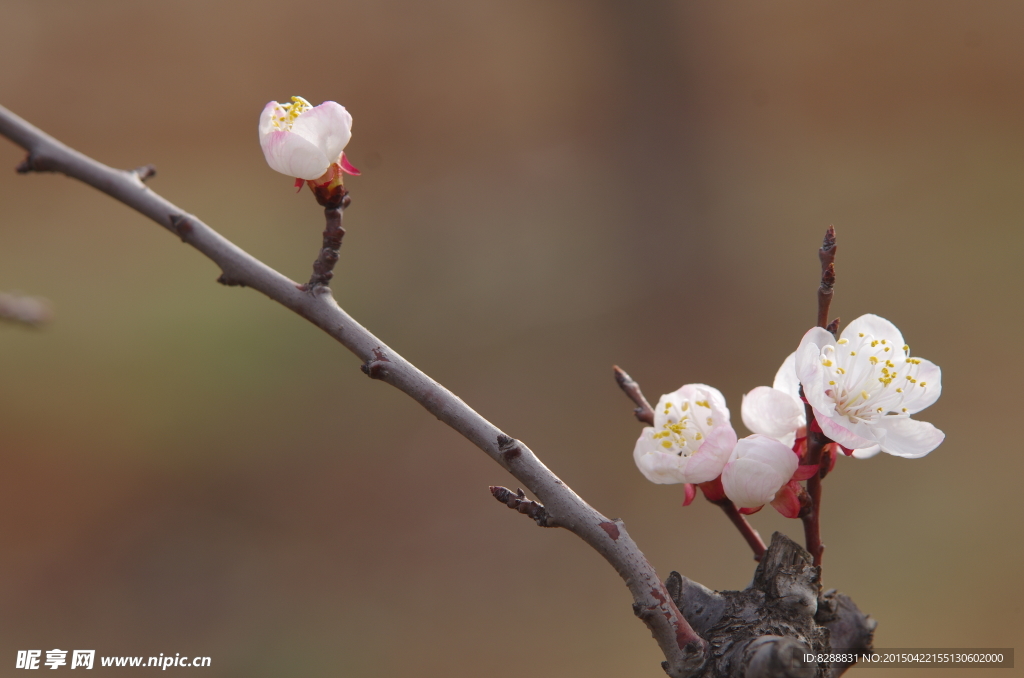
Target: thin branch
(30, 311)
(752, 536)
(682, 647)
(827, 255)
(811, 515)
(323, 267)
(816, 440)
(644, 412)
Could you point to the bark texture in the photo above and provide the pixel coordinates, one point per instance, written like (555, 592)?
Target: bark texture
(765, 630)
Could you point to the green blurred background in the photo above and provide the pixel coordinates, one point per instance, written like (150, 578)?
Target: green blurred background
(548, 188)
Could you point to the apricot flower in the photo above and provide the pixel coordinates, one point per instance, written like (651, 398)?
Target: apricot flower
(864, 386)
(306, 141)
(691, 438)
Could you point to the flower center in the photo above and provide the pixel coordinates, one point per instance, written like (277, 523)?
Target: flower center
(686, 425)
(285, 114)
(869, 378)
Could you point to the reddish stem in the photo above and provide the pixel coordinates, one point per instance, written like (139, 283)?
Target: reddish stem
(811, 517)
(745, 528)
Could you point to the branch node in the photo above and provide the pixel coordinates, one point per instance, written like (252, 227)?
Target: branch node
(517, 501)
(26, 165)
(644, 412)
(181, 224)
(145, 172)
(508, 447)
(228, 281)
(377, 367)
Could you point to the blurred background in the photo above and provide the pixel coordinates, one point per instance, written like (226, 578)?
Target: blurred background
(549, 188)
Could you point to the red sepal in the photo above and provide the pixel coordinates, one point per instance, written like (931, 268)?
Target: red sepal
(750, 511)
(347, 167)
(803, 472)
(690, 491)
(787, 499)
(713, 490)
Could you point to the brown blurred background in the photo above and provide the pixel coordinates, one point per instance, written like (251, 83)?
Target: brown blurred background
(548, 188)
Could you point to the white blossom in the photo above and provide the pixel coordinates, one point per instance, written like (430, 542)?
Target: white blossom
(304, 141)
(691, 439)
(864, 387)
(757, 469)
(776, 411)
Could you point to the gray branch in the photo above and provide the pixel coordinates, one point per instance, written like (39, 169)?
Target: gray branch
(684, 650)
(24, 310)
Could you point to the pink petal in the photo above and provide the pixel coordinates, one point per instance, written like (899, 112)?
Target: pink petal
(709, 460)
(293, 155)
(759, 467)
(328, 126)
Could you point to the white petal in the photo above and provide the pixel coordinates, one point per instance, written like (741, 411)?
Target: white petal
(810, 371)
(909, 438)
(759, 467)
(866, 452)
(328, 126)
(919, 397)
(771, 412)
(786, 379)
(837, 428)
(293, 155)
(707, 463)
(875, 326)
(266, 119)
(704, 392)
(656, 465)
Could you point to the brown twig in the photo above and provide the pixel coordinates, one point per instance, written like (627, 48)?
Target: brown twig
(752, 536)
(30, 311)
(517, 500)
(644, 412)
(827, 255)
(323, 267)
(684, 650)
